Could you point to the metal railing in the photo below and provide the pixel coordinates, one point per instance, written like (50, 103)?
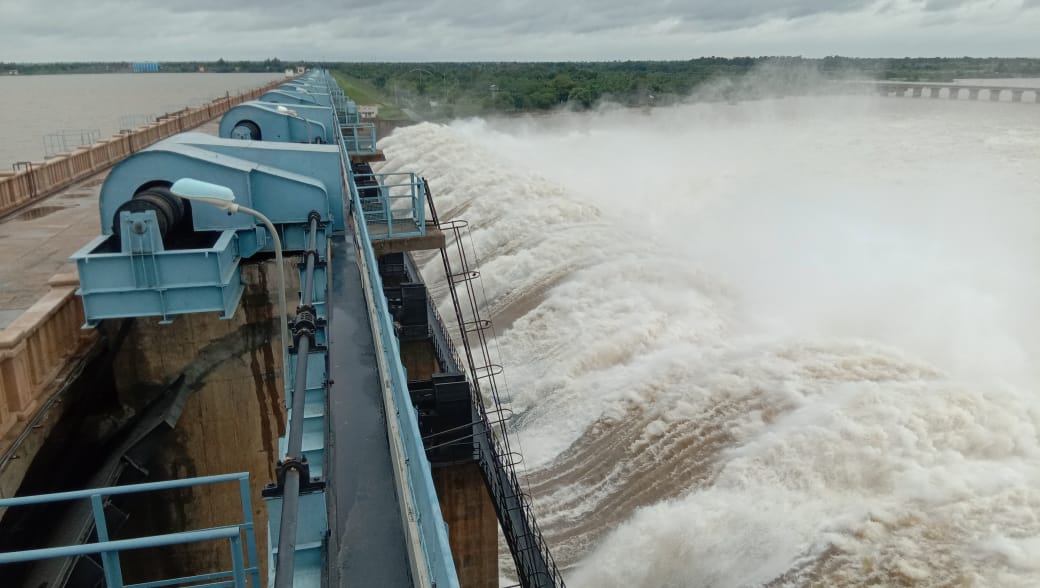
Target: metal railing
(497, 460)
(425, 530)
(449, 357)
(129, 122)
(68, 140)
(238, 536)
(394, 204)
(359, 138)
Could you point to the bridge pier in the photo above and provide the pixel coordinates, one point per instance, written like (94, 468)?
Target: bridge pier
(465, 504)
(945, 90)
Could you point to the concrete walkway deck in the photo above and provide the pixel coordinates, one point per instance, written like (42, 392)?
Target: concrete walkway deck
(35, 243)
(368, 545)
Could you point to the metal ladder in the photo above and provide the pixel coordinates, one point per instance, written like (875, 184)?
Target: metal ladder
(497, 460)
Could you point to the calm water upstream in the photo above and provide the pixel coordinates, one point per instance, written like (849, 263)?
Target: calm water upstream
(34, 106)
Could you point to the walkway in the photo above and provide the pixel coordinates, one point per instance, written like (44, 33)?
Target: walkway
(368, 546)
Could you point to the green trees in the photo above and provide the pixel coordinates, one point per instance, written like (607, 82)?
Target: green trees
(464, 89)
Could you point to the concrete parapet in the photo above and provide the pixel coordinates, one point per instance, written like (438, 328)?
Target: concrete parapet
(44, 178)
(35, 348)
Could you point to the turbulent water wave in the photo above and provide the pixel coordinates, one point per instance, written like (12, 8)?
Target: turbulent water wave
(730, 372)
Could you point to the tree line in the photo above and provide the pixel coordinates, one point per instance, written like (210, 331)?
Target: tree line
(460, 89)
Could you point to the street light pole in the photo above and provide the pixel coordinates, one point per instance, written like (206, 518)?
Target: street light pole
(223, 198)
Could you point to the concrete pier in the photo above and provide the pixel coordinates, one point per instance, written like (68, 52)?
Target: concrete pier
(234, 373)
(465, 505)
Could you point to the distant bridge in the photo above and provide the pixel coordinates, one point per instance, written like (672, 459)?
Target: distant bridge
(975, 91)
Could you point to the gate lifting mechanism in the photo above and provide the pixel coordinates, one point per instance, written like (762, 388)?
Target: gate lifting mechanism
(161, 256)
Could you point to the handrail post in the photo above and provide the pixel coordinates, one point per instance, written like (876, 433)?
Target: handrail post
(385, 193)
(109, 559)
(236, 562)
(247, 522)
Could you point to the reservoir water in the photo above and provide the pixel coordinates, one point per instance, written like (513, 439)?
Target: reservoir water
(34, 106)
(776, 343)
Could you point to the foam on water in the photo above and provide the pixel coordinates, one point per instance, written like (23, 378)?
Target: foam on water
(782, 343)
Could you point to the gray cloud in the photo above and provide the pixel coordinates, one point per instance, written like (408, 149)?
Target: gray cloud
(505, 30)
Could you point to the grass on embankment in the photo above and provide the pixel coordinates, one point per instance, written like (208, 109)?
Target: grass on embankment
(362, 92)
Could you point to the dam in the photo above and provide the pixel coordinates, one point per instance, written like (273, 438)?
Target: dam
(773, 356)
(203, 432)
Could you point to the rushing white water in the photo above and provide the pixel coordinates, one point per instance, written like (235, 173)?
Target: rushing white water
(781, 343)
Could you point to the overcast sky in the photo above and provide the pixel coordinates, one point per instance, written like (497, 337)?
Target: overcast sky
(469, 30)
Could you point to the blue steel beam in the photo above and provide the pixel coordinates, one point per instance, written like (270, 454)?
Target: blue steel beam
(120, 490)
(120, 545)
(109, 553)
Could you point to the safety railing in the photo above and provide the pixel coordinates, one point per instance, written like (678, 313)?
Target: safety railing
(447, 354)
(360, 138)
(425, 530)
(394, 204)
(497, 459)
(35, 348)
(67, 140)
(240, 537)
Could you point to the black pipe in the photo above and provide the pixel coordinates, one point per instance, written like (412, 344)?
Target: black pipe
(286, 563)
(295, 445)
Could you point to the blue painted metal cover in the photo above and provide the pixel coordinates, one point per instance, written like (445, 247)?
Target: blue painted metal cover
(277, 122)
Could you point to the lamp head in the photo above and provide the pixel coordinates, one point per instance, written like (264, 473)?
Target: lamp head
(197, 190)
